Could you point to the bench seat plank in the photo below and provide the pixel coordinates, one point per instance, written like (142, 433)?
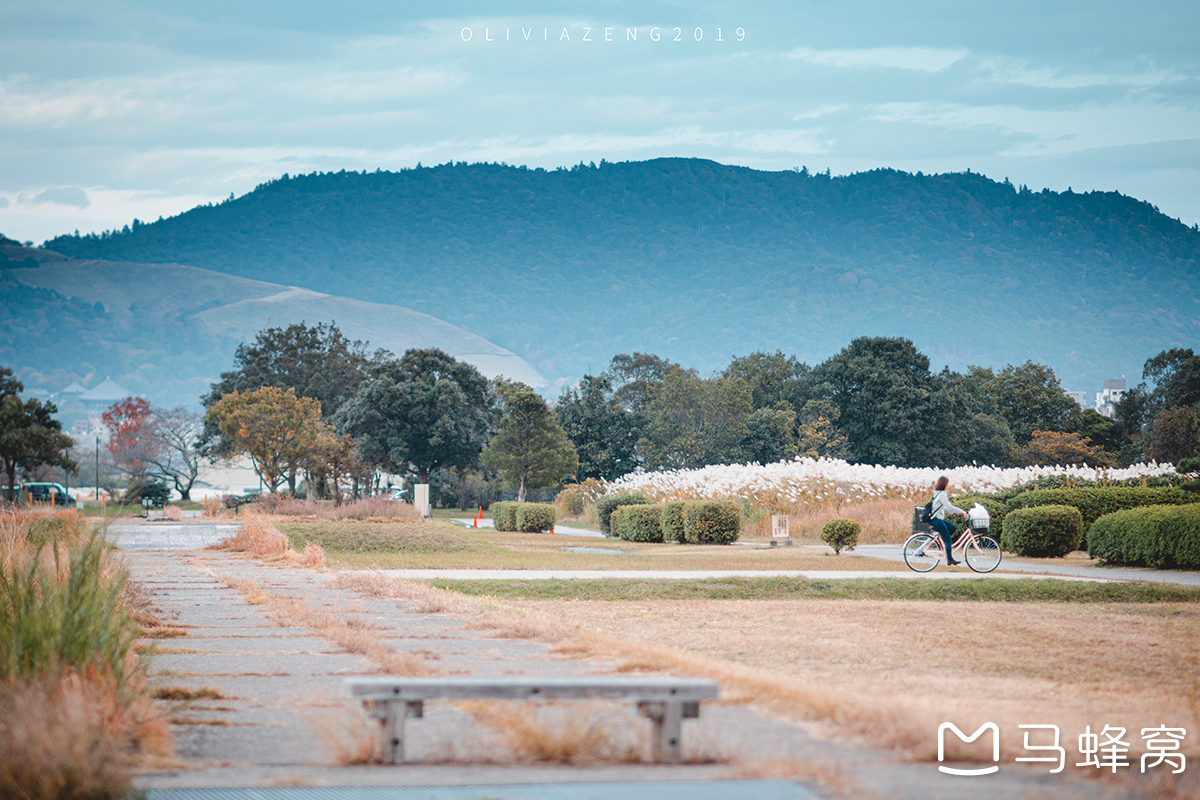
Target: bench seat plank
(520, 688)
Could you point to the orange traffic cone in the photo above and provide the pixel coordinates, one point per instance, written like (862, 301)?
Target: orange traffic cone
(478, 516)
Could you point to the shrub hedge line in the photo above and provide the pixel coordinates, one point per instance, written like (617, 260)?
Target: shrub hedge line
(525, 517)
(682, 521)
(605, 507)
(1162, 536)
(1043, 531)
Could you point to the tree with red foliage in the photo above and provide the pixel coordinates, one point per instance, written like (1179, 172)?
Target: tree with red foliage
(129, 435)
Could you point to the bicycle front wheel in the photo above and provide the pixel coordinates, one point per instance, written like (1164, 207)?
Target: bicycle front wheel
(921, 552)
(982, 554)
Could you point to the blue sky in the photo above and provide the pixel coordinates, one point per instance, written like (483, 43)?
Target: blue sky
(115, 110)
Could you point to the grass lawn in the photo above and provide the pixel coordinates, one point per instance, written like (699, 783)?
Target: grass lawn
(437, 544)
(983, 589)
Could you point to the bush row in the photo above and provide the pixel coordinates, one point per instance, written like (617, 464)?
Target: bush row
(1092, 503)
(683, 521)
(1154, 536)
(605, 507)
(1042, 531)
(524, 517)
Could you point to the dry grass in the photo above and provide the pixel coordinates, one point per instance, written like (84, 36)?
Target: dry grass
(173, 512)
(213, 507)
(889, 673)
(63, 737)
(295, 612)
(349, 736)
(582, 733)
(366, 508)
(260, 538)
(883, 521)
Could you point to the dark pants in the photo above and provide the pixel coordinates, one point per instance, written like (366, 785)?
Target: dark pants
(946, 530)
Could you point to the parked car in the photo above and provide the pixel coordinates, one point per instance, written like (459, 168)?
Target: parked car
(45, 492)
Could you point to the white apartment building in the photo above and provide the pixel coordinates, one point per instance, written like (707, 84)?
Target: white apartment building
(1106, 400)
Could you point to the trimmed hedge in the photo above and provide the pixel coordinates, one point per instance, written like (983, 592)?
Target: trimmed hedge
(1166, 536)
(997, 509)
(605, 506)
(712, 522)
(1043, 531)
(535, 517)
(504, 515)
(639, 523)
(1094, 502)
(672, 521)
(840, 534)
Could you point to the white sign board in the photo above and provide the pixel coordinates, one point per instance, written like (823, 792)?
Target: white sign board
(779, 526)
(421, 498)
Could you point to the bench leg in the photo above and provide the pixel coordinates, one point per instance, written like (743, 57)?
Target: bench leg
(666, 738)
(393, 726)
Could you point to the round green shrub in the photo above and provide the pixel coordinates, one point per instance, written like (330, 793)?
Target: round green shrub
(504, 516)
(1043, 531)
(672, 521)
(606, 505)
(712, 522)
(535, 517)
(1153, 536)
(641, 523)
(840, 534)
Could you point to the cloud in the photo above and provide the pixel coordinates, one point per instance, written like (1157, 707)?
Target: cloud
(924, 59)
(3, 202)
(63, 195)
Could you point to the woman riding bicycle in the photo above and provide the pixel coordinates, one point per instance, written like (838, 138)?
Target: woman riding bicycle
(937, 517)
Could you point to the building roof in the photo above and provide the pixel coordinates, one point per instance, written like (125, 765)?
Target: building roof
(107, 392)
(74, 388)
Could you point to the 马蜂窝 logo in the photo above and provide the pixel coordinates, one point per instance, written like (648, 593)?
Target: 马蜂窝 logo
(987, 726)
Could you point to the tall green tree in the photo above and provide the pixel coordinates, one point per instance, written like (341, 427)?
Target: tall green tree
(1176, 377)
(30, 436)
(773, 378)
(531, 450)
(1030, 398)
(696, 421)
(316, 361)
(892, 408)
(603, 432)
(633, 375)
(772, 434)
(422, 412)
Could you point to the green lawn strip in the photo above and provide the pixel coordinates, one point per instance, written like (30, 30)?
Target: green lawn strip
(983, 589)
(393, 537)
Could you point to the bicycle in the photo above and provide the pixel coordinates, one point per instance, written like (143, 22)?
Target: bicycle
(980, 552)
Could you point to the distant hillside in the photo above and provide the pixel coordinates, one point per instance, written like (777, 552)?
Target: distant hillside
(697, 261)
(168, 330)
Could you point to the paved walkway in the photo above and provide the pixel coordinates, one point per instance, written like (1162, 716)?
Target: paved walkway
(282, 718)
(690, 575)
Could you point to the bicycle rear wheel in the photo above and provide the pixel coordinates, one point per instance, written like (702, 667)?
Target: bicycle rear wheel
(982, 554)
(922, 551)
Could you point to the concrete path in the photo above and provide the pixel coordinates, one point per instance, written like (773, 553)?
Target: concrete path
(689, 575)
(281, 716)
(561, 530)
(892, 552)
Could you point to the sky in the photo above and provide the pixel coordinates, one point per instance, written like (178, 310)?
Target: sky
(111, 110)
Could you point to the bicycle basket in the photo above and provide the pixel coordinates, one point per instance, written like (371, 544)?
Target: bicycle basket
(978, 518)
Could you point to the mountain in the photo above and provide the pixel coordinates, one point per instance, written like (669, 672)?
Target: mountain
(166, 331)
(697, 261)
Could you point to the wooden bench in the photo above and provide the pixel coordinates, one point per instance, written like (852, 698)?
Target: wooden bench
(665, 701)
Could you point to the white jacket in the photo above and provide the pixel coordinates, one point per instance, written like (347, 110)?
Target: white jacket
(942, 504)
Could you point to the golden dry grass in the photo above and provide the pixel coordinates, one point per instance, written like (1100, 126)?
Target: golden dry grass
(582, 733)
(883, 521)
(894, 671)
(259, 537)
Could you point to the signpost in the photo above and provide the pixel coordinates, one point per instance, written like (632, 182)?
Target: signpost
(779, 530)
(421, 498)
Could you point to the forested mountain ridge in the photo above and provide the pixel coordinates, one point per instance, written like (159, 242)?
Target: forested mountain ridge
(697, 261)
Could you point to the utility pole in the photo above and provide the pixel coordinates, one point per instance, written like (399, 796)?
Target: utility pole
(97, 469)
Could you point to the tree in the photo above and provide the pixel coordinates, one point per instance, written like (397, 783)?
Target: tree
(129, 438)
(175, 452)
(891, 406)
(1172, 436)
(317, 361)
(423, 412)
(1030, 398)
(531, 450)
(1176, 375)
(271, 425)
(1054, 448)
(773, 378)
(604, 434)
(632, 377)
(331, 460)
(695, 421)
(817, 433)
(30, 436)
(772, 435)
